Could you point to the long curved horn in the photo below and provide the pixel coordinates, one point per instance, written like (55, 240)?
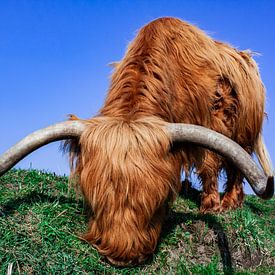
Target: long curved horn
(59, 131)
(262, 185)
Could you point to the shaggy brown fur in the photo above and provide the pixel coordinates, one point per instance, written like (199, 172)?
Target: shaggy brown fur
(172, 72)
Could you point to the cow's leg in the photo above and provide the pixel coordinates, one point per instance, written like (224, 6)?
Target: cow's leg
(234, 195)
(186, 184)
(208, 173)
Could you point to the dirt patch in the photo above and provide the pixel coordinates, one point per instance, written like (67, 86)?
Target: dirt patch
(199, 244)
(196, 245)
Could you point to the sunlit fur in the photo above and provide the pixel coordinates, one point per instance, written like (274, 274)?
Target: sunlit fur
(171, 72)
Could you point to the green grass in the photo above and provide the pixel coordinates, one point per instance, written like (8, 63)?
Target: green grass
(41, 218)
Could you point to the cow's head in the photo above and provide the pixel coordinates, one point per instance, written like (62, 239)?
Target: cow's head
(128, 193)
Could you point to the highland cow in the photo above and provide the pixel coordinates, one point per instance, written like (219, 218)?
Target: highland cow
(124, 161)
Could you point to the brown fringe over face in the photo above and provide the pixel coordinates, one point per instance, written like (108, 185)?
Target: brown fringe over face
(128, 178)
(172, 72)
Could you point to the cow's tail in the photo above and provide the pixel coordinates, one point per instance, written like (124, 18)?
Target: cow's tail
(263, 156)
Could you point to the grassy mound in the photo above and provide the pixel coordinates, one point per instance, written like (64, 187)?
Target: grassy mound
(41, 218)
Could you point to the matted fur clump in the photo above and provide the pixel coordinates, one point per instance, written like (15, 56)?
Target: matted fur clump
(171, 72)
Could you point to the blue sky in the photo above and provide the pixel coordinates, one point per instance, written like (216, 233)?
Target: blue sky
(54, 57)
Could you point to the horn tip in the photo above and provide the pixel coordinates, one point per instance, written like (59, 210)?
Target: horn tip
(269, 190)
